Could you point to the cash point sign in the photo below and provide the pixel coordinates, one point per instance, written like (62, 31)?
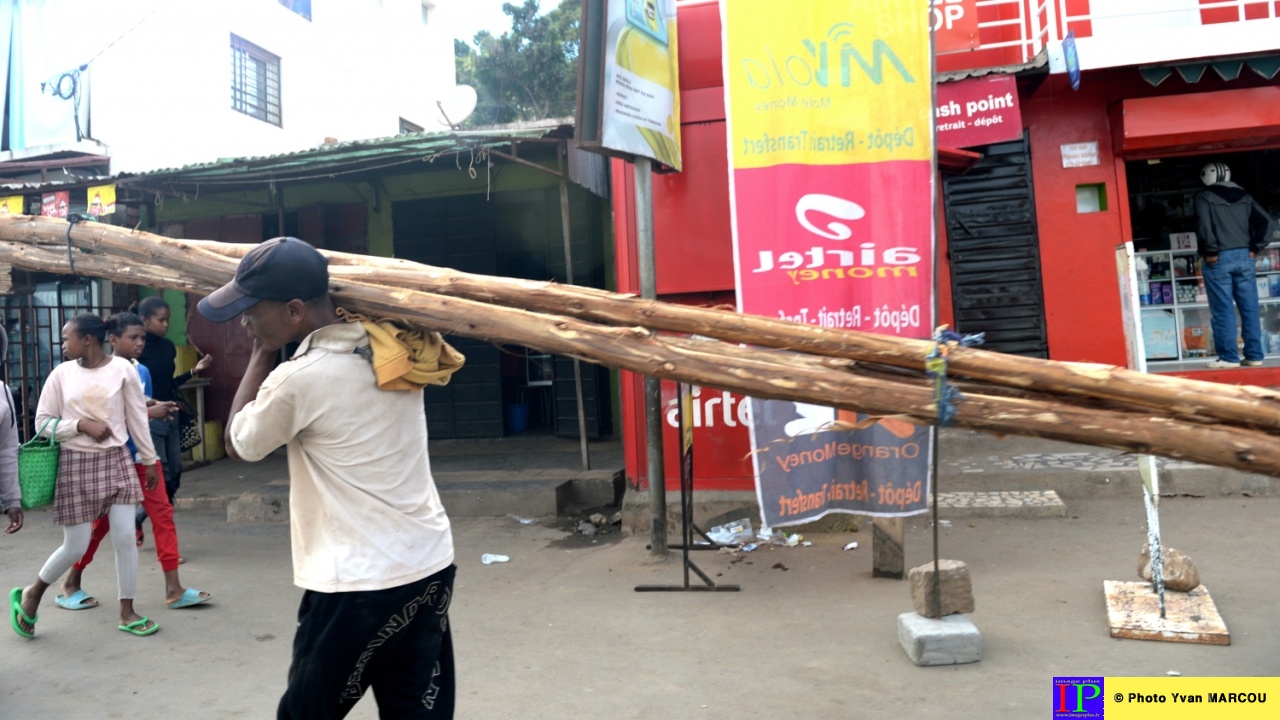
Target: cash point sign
(830, 148)
(978, 111)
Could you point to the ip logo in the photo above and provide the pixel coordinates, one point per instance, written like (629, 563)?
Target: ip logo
(1078, 697)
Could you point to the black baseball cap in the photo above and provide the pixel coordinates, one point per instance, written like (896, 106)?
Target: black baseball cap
(280, 269)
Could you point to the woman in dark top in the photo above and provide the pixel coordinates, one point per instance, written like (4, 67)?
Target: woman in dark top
(160, 357)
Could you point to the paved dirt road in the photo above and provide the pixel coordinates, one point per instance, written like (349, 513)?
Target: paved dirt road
(559, 633)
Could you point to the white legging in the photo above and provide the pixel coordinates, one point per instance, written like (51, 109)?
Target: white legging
(75, 540)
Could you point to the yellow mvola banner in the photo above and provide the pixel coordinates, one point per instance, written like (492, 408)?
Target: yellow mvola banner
(12, 205)
(859, 73)
(828, 113)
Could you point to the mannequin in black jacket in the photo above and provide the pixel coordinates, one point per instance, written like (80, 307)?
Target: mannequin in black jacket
(1232, 228)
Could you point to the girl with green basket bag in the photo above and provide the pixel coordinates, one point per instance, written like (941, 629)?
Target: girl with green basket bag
(99, 403)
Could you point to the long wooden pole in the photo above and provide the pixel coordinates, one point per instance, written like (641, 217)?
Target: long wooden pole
(755, 372)
(762, 373)
(1244, 405)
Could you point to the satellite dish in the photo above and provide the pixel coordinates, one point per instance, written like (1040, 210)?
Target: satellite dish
(456, 106)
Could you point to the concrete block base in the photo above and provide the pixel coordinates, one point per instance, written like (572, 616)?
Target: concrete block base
(957, 588)
(952, 640)
(591, 489)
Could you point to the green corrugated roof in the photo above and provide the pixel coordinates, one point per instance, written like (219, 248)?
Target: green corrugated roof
(345, 158)
(1266, 65)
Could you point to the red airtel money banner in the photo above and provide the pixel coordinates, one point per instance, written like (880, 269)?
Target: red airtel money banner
(831, 192)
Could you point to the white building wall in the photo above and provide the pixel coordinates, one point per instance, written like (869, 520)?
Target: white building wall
(1139, 32)
(1135, 16)
(161, 97)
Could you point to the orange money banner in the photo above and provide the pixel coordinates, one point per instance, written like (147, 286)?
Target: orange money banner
(830, 130)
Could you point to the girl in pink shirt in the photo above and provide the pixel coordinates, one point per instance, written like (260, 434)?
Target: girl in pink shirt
(126, 335)
(98, 402)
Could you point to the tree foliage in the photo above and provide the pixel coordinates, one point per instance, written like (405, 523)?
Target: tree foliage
(527, 73)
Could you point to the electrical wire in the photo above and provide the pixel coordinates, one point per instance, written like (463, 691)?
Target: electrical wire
(126, 33)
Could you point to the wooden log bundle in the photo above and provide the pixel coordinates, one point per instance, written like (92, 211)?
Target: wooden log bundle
(1228, 426)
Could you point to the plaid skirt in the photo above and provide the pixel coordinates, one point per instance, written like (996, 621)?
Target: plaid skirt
(89, 483)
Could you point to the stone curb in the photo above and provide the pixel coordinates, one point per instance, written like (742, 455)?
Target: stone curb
(468, 498)
(202, 502)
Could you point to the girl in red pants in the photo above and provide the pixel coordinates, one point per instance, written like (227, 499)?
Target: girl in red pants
(127, 337)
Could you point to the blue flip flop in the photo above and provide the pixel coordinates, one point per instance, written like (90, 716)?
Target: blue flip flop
(139, 627)
(191, 597)
(15, 611)
(79, 600)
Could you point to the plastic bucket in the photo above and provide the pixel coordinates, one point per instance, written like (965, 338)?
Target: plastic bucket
(517, 418)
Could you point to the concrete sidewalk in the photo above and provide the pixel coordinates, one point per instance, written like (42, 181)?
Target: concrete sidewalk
(971, 461)
(540, 475)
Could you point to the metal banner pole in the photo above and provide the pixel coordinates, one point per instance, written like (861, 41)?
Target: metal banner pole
(684, 393)
(652, 385)
(568, 274)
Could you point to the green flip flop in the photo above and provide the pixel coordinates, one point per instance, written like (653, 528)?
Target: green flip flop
(15, 611)
(139, 627)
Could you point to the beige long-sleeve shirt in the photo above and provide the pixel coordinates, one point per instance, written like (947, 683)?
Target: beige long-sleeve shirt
(364, 512)
(111, 394)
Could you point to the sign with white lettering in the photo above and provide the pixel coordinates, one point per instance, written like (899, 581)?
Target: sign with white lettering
(1083, 154)
(955, 25)
(830, 177)
(978, 111)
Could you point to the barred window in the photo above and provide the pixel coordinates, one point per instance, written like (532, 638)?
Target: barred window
(255, 81)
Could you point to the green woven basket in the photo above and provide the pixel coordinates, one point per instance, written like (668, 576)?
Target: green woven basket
(38, 468)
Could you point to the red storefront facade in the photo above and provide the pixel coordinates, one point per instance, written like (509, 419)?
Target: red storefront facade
(1133, 123)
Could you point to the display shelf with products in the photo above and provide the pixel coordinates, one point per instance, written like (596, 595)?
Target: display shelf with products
(1175, 316)
(1174, 309)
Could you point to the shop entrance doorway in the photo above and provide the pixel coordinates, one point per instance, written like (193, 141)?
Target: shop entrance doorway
(1174, 316)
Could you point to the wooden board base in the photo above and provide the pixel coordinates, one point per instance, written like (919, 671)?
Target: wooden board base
(1133, 612)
